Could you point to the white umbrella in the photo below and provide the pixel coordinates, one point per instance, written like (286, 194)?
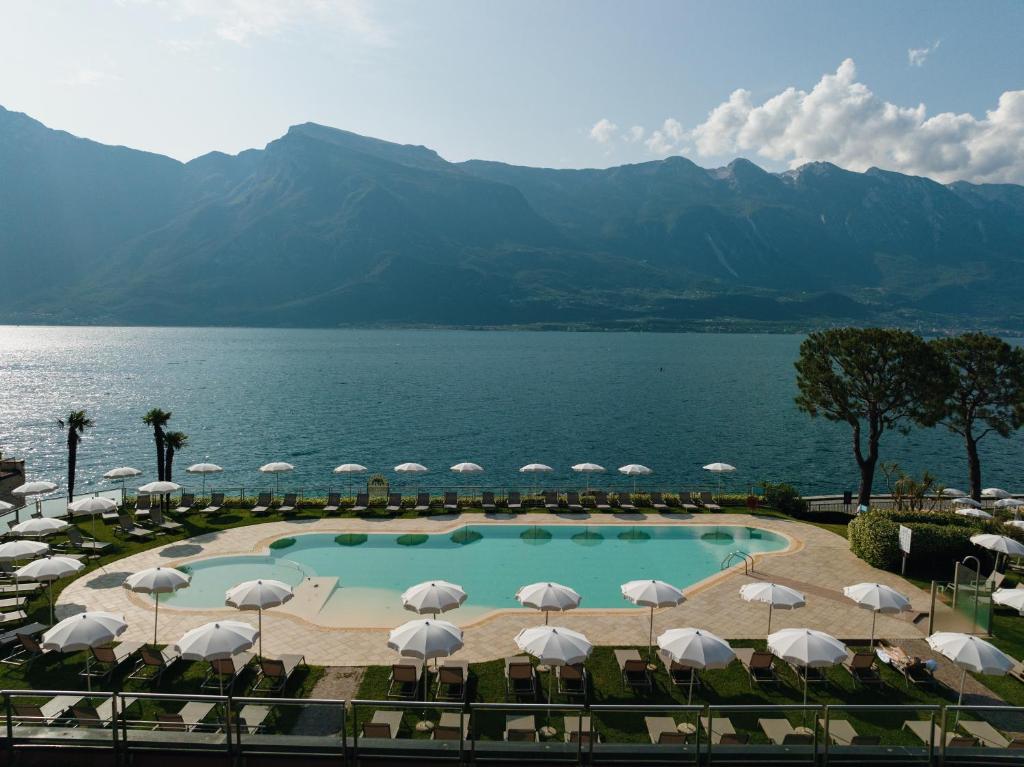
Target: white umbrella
(47, 570)
(426, 639)
(277, 468)
(1000, 544)
(1008, 503)
(83, 632)
(157, 581)
(1018, 523)
(350, 469)
(952, 492)
(411, 468)
(774, 595)
(548, 597)
(587, 468)
(965, 501)
(122, 473)
(39, 487)
(5, 506)
(554, 646)
(696, 649)
(535, 468)
(12, 551)
(258, 595)
(40, 526)
(970, 511)
(93, 506)
(433, 597)
(217, 641)
(971, 654)
(634, 470)
(719, 469)
(467, 468)
(1013, 598)
(652, 593)
(204, 469)
(160, 487)
(994, 492)
(878, 598)
(806, 648)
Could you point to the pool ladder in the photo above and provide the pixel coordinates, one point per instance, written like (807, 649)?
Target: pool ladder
(748, 561)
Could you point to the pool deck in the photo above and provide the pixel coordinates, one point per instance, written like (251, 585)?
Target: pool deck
(818, 562)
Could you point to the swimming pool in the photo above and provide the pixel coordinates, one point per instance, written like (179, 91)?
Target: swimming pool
(489, 561)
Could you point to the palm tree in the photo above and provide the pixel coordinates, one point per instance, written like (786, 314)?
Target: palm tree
(76, 423)
(158, 419)
(173, 442)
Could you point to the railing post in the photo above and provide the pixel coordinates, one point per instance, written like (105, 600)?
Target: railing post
(824, 748)
(10, 723)
(344, 733)
(355, 733)
(115, 713)
(942, 736)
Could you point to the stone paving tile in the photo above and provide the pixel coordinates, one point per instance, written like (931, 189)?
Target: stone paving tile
(816, 557)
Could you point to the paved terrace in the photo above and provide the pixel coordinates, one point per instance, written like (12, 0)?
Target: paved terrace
(818, 563)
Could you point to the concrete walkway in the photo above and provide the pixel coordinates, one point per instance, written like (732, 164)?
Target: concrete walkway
(818, 561)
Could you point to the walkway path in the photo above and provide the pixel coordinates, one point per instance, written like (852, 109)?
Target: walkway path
(818, 558)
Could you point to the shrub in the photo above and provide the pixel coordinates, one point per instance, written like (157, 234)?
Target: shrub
(874, 537)
(785, 498)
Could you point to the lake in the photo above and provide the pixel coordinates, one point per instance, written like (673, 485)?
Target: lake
(318, 398)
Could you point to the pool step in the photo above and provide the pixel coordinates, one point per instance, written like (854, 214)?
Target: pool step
(310, 596)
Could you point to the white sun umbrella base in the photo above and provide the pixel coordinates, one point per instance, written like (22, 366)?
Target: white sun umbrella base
(775, 595)
(696, 649)
(83, 632)
(157, 581)
(259, 595)
(548, 597)
(433, 597)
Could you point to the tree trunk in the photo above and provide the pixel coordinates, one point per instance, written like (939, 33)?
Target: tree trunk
(168, 463)
(72, 460)
(158, 437)
(866, 463)
(973, 465)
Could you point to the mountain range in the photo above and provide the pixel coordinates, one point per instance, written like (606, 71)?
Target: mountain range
(323, 227)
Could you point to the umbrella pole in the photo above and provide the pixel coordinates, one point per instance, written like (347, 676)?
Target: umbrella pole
(803, 716)
(260, 619)
(874, 617)
(689, 697)
(770, 617)
(49, 591)
(156, 616)
(547, 614)
(88, 672)
(960, 698)
(650, 637)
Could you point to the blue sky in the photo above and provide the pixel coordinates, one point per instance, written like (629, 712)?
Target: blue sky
(531, 82)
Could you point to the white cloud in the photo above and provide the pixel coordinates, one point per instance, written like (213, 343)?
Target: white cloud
(634, 134)
(916, 57)
(603, 131)
(842, 121)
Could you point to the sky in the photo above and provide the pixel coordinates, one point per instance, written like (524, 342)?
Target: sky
(930, 88)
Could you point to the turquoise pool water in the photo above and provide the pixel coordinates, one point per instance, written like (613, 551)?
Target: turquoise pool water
(489, 562)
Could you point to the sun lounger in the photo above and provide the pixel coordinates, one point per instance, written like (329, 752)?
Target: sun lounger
(12, 603)
(662, 730)
(626, 502)
(78, 541)
(28, 652)
(810, 674)
(22, 587)
(158, 519)
(51, 712)
(842, 733)
(186, 503)
(451, 680)
(708, 502)
(106, 660)
(422, 502)
(487, 501)
(514, 501)
(385, 724)
(633, 669)
(224, 672)
(861, 666)
(678, 673)
(129, 528)
(449, 727)
(601, 501)
(405, 679)
(143, 505)
(686, 502)
(551, 500)
(915, 670)
(520, 728)
(572, 500)
(572, 680)
(989, 736)
(451, 501)
(189, 718)
(333, 503)
(781, 733)
(362, 502)
(577, 728)
(252, 717)
(721, 728)
(29, 630)
(760, 665)
(290, 504)
(274, 674)
(153, 663)
(658, 502)
(263, 503)
(87, 715)
(927, 731)
(520, 677)
(394, 503)
(12, 617)
(216, 504)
